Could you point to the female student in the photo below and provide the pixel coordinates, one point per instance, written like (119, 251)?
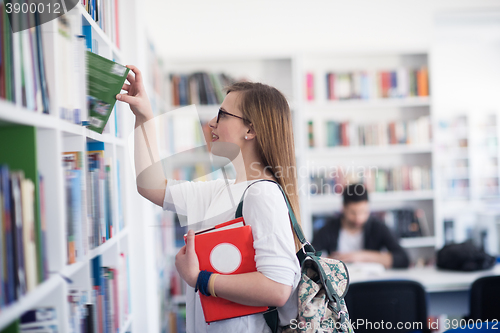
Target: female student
(256, 119)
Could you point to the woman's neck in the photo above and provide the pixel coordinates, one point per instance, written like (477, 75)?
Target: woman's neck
(250, 167)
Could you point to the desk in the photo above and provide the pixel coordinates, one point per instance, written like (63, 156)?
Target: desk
(448, 292)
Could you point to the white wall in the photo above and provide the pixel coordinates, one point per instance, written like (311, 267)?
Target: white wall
(235, 27)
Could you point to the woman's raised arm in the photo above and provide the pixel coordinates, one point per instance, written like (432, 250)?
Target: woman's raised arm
(151, 182)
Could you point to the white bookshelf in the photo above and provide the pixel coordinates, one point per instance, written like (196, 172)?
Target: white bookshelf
(366, 111)
(53, 137)
(466, 80)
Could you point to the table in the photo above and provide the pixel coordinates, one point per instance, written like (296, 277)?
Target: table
(447, 291)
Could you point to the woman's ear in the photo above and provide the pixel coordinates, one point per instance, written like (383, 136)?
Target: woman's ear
(250, 133)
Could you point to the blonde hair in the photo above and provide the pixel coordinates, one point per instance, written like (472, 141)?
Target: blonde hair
(268, 111)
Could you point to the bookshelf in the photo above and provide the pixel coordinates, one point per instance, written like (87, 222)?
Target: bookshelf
(467, 131)
(34, 140)
(351, 93)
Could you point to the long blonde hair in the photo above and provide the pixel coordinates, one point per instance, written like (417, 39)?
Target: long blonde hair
(268, 111)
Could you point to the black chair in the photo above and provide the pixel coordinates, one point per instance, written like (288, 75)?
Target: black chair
(485, 299)
(387, 303)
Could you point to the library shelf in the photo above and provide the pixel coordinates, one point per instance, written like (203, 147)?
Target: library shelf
(329, 152)
(330, 200)
(368, 103)
(12, 113)
(95, 28)
(412, 242)
(69, 270)
(25, 303)
(106, 245)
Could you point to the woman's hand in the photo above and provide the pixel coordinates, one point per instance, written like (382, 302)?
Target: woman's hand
(186, 261)
(136, 95)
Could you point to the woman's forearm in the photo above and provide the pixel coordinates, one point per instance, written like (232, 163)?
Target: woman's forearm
(253, 289)
(150, 178)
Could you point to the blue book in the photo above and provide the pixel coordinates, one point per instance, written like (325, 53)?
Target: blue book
(87, 32)
(10, 283)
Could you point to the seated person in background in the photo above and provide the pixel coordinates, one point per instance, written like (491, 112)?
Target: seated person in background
(355, 236)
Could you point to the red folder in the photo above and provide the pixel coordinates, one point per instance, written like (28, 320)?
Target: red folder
(226, 250)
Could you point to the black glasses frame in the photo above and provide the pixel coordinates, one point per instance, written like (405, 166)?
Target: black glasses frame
(229, 114)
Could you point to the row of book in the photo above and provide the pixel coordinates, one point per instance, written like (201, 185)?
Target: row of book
(22, 64)
(375, 179)
(398, 83)
(411, 132)
(99, 313)
(404, 222)
(31, 78)
(106, 295)
(89, 208)
(199, 88)
(23, 255)
(105, 13)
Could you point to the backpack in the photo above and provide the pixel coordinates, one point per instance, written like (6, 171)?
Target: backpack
(322, 287)
(464, 257)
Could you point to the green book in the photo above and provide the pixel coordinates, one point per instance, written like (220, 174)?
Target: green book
(105, 79)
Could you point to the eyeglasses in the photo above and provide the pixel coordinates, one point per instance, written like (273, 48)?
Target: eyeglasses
(222, 113)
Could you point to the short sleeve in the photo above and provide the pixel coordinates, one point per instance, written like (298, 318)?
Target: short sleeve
(265, 210)
(180, 195)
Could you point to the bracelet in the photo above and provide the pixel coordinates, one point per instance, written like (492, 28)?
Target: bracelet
(202, 282)
(211, 284)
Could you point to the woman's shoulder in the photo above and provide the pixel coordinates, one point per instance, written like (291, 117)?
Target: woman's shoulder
(264, 189)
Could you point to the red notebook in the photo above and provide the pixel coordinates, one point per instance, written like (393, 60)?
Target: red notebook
(226, 251)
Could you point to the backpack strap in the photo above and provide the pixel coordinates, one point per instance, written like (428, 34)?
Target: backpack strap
(271, 316)
(296, 226)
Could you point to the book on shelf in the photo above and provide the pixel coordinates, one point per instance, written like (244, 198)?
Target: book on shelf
(397, 83)
(199, 88)
(105, 79)
(400, 178)
(99, 195)
(105, 13)
(404, 222)
(347, 133)
(310, 86)
(22, 64)
(75, 215)
(23, 257)
(109, 288)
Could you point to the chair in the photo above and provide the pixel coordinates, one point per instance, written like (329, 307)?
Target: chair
(390, 303)
(485, 299)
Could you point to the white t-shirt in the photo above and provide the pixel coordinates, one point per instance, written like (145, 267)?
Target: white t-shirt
(349, 242)
(265, 210)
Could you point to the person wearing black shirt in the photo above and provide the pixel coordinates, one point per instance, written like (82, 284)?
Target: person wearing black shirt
(355, 236)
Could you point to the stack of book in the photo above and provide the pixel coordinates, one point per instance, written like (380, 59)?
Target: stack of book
(399, 83)
(199, 88)
(23, 255)
(347, 133)
(405, 222)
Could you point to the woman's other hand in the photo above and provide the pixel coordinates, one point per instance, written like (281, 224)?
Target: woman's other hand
(186, 261)
(136, 95)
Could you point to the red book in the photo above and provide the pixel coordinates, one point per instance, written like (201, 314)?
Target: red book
(226, 251)
(310, 86)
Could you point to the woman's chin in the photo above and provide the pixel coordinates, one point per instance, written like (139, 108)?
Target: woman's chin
(228, 150)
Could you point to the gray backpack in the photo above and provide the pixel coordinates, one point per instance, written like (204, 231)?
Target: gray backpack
(322, 288)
